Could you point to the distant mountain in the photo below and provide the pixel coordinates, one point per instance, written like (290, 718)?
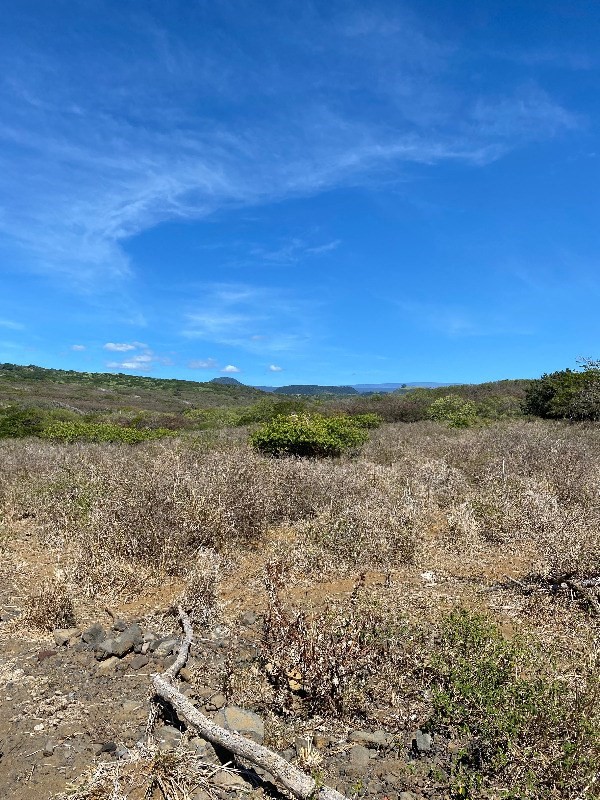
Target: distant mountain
(313, 390)
(392, 387)
(357, 388)
(227, 381)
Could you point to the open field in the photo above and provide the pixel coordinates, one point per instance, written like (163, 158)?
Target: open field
(436, 591)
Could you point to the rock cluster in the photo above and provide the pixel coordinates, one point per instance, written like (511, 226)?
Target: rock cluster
(97, 659)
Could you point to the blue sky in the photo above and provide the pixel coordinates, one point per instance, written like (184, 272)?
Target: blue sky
(314, 192)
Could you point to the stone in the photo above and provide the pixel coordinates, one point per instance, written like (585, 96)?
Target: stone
(39, 727)
(94, 634)
(359, 756)
(63, 636)
(230, 781)
(108, 747)
(372, 740)
(107, 667)
(321, 741)
(125, 643)
(216, 702)
(204, 750)
(8, 614)
(131, 706)
(119, 625)
(168, 738)
(137, 662)
(121, 752)
(406, 796)
(49, 748)
(44, 654)
(422, 742)
(165, 647)
(185, 675)
(249, 724)
(289, 754)
(104, 649)
(248, 618)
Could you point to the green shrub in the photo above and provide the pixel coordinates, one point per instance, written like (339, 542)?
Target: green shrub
(267, 410)
(366, 420)
(308, 435)
(521, 730)
(454, 410)
(566, 394)
(100, 432)
(20, 422)
(211, 418)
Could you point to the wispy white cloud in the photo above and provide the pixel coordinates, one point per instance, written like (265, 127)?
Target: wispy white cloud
(123, 347)
(206, 363)
(89, 160)
(455, 321)
(292, 251)
(141, 362)
(530, 114)
(11, 325)
(257, 319)
(77, 347)
(275, 368)
(231, 368)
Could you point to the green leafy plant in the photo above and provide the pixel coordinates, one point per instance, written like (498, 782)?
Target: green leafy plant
(18, 422)
(518, 727)
(267, 410)
(566, 394)
(368, 421)
(308, 435)
(454, 410)
(100, 432)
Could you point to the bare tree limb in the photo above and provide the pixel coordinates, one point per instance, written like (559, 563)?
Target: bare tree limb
(578, 587)
(291, 778)
(173, 671)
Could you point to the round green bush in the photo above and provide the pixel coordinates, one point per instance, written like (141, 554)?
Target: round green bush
(454, 410)
(308, 435)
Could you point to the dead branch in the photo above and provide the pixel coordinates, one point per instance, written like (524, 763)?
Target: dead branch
(586, 590)
(291, 778)
(579, 589)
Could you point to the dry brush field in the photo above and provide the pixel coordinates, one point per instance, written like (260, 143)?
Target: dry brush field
(437, 590)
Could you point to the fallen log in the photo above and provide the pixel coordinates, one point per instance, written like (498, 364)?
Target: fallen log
(296, 781)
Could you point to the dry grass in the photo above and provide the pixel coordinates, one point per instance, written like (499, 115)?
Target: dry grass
(129, 517)
(439, 518)
(50, 605)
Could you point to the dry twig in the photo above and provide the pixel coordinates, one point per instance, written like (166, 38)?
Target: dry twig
(294, 780)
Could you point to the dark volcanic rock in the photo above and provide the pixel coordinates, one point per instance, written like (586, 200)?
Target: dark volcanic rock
(94, 635)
